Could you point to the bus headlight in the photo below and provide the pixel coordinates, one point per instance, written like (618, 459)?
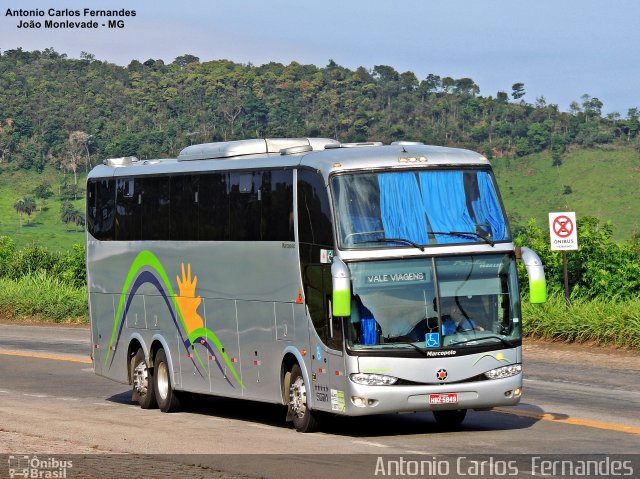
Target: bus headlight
(367, 379)
(504, 372)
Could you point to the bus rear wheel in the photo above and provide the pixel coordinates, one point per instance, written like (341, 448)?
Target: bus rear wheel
(450, 419)
(168, 399)
(142, 390)
(304, 420)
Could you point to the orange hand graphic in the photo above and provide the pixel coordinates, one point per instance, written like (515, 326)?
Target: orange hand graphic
(188, 302)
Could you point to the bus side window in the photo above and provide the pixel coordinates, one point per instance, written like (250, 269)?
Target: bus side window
(277, 206)
(155, 214)
(314, 213)
(128, 198)
(184, 207)
(101, 209)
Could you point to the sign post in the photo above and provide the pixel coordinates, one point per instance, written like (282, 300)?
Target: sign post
(564, 237)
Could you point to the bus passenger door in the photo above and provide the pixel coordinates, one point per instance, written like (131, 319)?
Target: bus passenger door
(326, 341)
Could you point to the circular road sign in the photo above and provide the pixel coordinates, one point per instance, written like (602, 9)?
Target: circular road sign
(563, 226)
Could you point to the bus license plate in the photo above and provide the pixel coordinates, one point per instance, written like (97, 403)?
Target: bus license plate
(449, 398)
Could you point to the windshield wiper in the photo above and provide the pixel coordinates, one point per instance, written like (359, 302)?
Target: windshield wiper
(473, 234)
(410, 343)
(482, 338)
(393, 240)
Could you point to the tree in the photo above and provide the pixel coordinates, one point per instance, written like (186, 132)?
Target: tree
(67, 213)
(517, 91)
(19, 207)
(79, 145)
(43, 192)
(183, 60)
(29, 207)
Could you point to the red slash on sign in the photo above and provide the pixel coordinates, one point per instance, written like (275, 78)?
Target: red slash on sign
(563, 226)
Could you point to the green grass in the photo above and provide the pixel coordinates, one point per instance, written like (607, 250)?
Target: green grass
(42, 298)
(604, 184)
(44, 227)
(604, 322)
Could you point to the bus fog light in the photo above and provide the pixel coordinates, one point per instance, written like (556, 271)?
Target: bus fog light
(504, 372)
(358, 401)
(367, 379)
(508, 394)
(517, 392)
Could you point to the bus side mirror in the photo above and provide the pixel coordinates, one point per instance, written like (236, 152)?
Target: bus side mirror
(341, 294)
(535, 272)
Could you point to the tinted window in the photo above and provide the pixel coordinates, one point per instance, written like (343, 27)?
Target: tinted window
(276, 197)
(245, 206)
(128, 218)
(101, 208)
(314, 214)
(185, 199)
(230, 206)
(213, 207)
(155, 212)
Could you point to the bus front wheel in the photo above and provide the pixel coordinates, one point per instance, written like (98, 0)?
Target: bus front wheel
(142, 389)
(167, 398)
(450, 419)
(304, 420)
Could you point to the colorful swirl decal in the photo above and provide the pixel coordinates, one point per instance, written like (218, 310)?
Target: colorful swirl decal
(183, 309)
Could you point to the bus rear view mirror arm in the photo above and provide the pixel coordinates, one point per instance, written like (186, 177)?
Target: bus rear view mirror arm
(535, 272)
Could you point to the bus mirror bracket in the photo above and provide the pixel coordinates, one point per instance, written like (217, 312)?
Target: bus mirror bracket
(535, 272)
(341, 294)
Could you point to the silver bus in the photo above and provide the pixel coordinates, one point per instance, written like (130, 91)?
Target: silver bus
(352, 279)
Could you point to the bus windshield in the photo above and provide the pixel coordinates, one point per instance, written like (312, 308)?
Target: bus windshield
(417, 208)
(431, 303)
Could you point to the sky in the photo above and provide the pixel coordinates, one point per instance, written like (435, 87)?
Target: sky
(559, 49)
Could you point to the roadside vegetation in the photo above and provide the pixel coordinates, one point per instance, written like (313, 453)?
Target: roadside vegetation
(39, 285)
(604, 278)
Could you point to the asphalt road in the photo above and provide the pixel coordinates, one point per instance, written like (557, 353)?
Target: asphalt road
(50, 401)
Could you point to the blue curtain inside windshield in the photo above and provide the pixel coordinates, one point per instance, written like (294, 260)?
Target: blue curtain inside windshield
(487, 210)
(414, 204)
(401, 207)
(445, 201)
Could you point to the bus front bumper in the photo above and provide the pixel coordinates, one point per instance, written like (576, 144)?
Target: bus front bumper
(362, 400)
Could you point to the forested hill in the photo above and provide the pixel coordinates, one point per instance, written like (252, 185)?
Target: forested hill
(70, 111)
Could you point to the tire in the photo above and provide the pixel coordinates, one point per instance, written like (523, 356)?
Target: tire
(168, 399)
(142, 388)
(450, 419)
(304, 420)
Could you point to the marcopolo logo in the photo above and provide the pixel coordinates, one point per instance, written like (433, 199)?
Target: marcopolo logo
(38, 468)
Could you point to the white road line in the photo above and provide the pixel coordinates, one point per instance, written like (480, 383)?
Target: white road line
(422, 453)
(369, 443)
(36, 395)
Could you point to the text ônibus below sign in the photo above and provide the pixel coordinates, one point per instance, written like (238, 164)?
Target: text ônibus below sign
(563, 231)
